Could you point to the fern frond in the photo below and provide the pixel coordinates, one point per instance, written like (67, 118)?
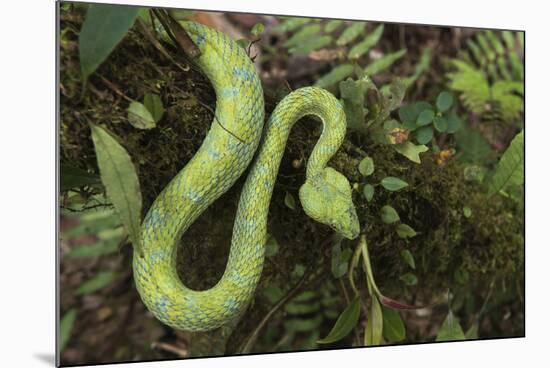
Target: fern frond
(472, 85)
(508, 99)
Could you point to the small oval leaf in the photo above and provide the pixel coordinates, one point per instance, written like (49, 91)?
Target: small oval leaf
(425, 117)
(444, 101)
(290, 201)
(368, 192)
(66, 327)
(345, 323)
(366, 166)
(97, 282)
(393, 184)
(424, 135)
(140, 117)
(409, 279)
(389, 215)
(404, 231)
(408, 257)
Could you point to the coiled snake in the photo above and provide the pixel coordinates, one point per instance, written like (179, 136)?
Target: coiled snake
(227, 150)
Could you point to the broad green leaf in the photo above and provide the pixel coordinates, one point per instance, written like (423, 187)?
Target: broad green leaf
(140, 117)
(375, 324)
(426, 117)
(450, 330)
(271, 246)
(97, 282)
(405, 231)
(384, 62)
(73, 177)
(344, 324)
(66, 328)
(424, 134)
(408, 257)
(335, 75)
(394, 328)
(444, 101)
(290, 201)
(120, 180)
(153, 103)
(103, 28)
(366, 166)
(393, 184)
(368, 192)
(351, 33)
(95, 250)
(258, 29)
(409, 279)
(303, 35)
(389, 214)
(440, 124)
(509, 171)
(364, 46)
(410, 150)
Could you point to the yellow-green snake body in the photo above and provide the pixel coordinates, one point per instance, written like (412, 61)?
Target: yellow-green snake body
(226, 152)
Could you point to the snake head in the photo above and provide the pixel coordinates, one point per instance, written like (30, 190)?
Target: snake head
(326, 198)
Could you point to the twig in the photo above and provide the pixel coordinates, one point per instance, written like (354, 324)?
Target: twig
(115, 89)
(176, 32)
(246, 347)
(179, 351)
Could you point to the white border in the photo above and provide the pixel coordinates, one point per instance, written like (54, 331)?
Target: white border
(27, 154)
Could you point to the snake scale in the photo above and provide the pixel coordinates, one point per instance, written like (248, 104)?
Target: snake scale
(227, 150)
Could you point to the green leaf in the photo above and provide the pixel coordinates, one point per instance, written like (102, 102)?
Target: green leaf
(389, 214)
(95, 250)
(290, 201)
(66, 328)
(366, 166)
(353, 98)
(153, 103)
(73, 177)
(467, 211)
(97, 282)
(394, 328)
(120, 180)
(375, 324)
(271, 246)
(384, 62)
(351, 33)
(425, 117)
(440, 124)
(450, 330)
(303, 324)
(292, 23)
(258, 29)
(404, 231)
(509, 171)
(424, 135)
(393, 184)
(408, 257)
(332, 25)
(303, 35)
(368, 192)
(410, 150)
(335, 75)
(444, 101)
(364, 46)
(409, 279)
(103, 28)
(409, 113)
(140, 117)
(344, 324)
(314, 43)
